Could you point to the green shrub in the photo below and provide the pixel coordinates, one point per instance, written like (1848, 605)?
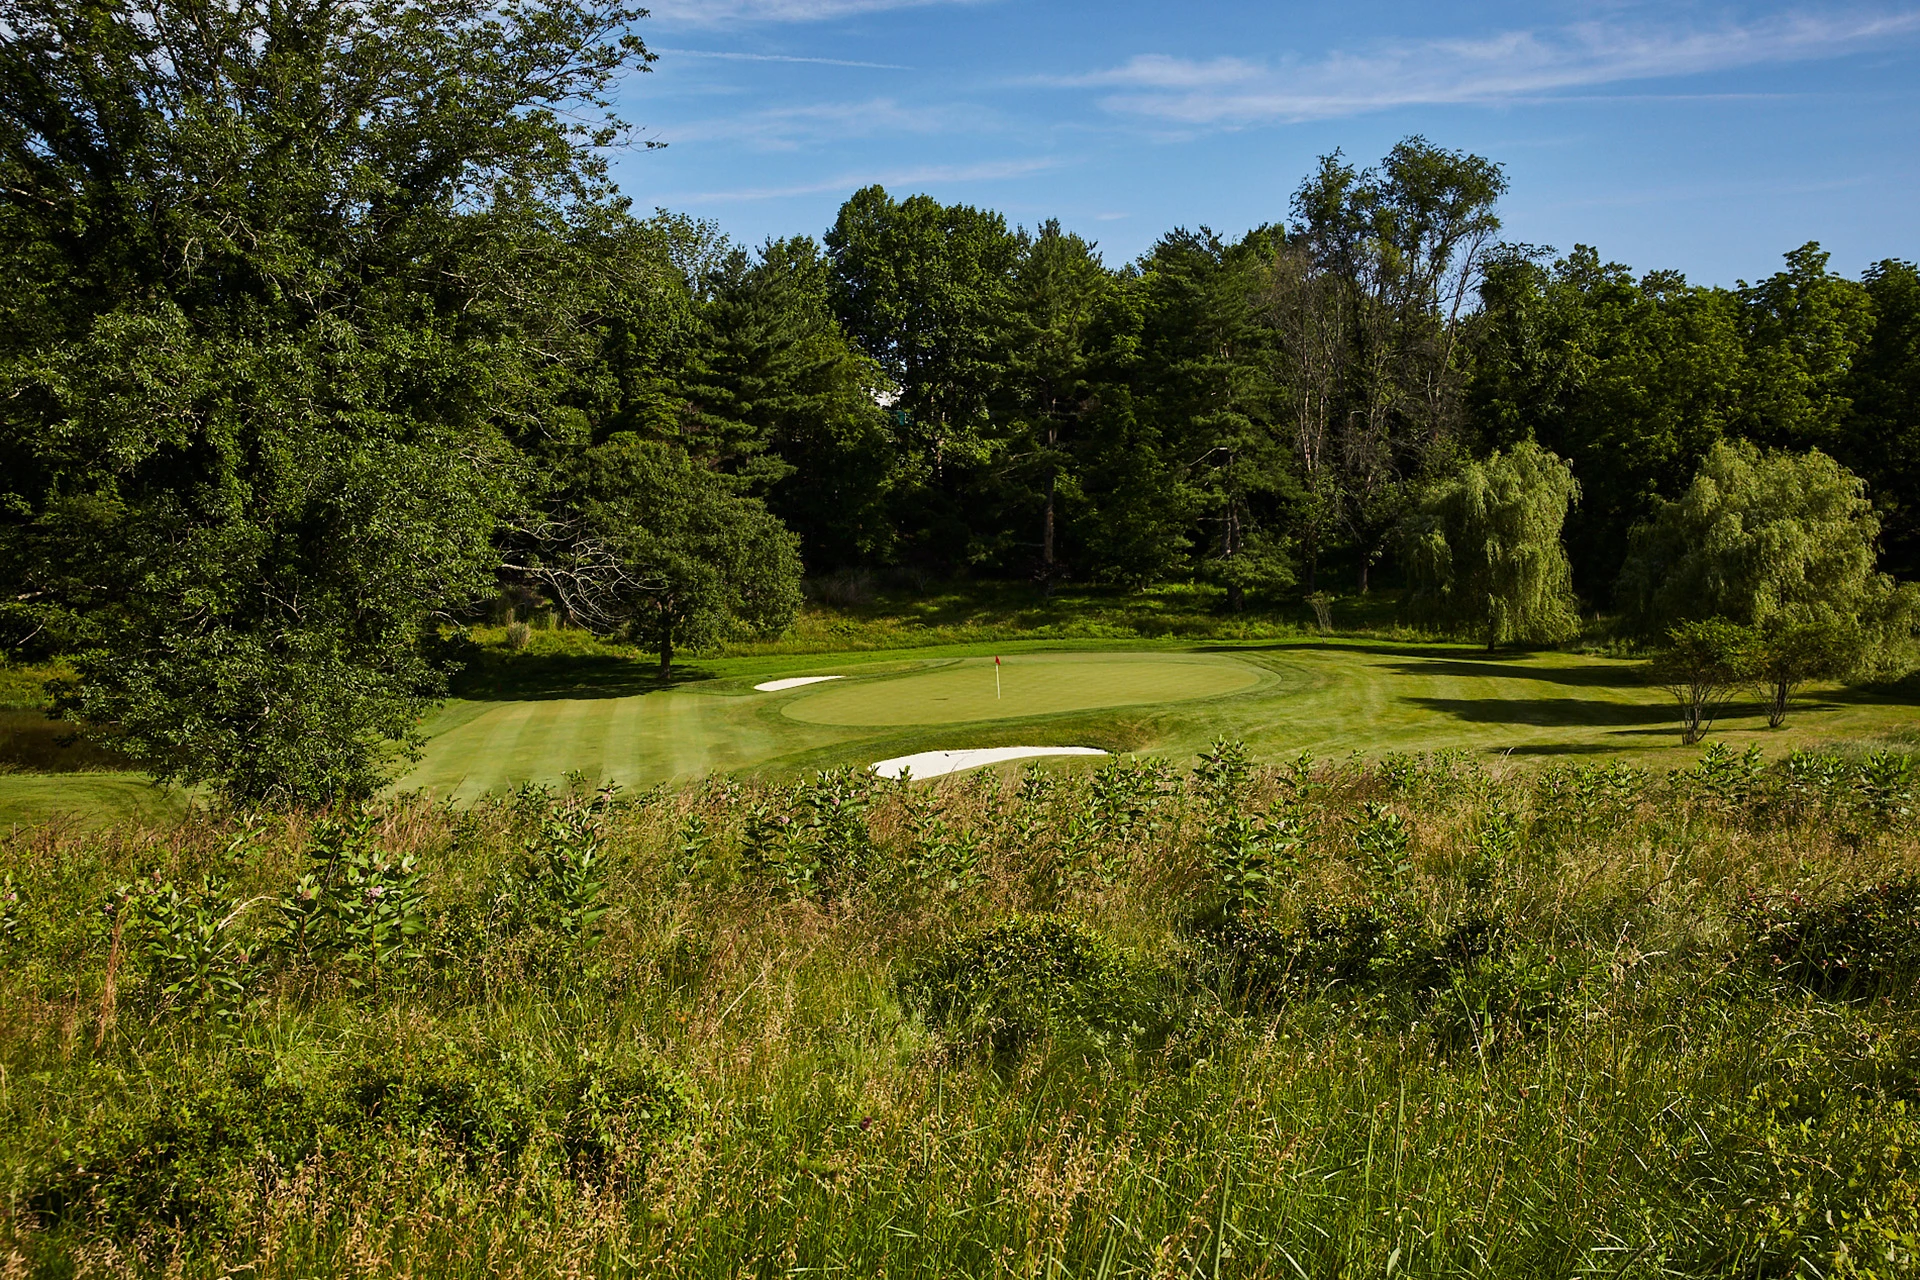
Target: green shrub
(189, 943)
(614, 1115)
(1858, 945)
(1472, 983)
(1886, 783)
(1224, 772)
(10, 909)
(360, 903)
(176, 1154)
(559, 882)
(1381, 838)
(438, 1095)
(1031, 977)
(1246, 858)
(1496, 997)
(1363, 946)
(194, 1139)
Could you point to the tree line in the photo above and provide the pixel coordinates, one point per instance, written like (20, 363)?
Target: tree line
(328, 320)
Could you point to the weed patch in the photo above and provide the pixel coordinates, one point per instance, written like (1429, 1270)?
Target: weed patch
(1035, 976)
(1859, 944)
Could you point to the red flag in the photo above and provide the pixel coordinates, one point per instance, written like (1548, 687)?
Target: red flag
(996, 662)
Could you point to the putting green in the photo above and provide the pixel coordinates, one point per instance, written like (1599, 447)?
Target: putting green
(963, 690)
(606, 718)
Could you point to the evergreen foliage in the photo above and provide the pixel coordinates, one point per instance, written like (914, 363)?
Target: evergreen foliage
(1880, 438)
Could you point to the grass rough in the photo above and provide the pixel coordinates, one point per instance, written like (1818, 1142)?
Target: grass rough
(1534, 1021)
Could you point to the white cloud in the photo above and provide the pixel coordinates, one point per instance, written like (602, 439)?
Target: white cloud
(1506, 67)
(789, 128)
(990, 171)
(729, 56)
(722, 13)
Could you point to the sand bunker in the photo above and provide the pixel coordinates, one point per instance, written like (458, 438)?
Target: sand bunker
(793, 682)
(931, 764)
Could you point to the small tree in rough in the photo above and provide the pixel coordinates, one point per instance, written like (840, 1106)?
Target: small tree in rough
(1703, 664)
(1790, 652)
(1484, 551)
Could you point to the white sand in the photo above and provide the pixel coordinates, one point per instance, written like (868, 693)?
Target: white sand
(793, 682)
(931, 764)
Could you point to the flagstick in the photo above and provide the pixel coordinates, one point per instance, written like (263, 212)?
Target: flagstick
(996, 679)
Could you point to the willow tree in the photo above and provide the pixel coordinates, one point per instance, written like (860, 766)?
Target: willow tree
(1764, 536)
(1484, 552)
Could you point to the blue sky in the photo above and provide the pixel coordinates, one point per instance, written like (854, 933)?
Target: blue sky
(1710, 139)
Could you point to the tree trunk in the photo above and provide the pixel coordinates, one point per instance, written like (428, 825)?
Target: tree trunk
(1693, 718)
(1780, 692)
(666, 655)
(1046, 540)
(1236, 595)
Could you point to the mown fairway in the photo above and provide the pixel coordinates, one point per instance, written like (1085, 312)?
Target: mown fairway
(1326, 696)
(967, 690)
(542, 717)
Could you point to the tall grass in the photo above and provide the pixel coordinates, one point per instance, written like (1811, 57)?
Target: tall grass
(1408, 1016)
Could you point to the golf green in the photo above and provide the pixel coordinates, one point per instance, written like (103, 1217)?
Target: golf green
(607, 718)
(964, 690)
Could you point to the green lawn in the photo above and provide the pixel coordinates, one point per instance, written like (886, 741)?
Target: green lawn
(1328, 696)
(563, 707)
(98, 798)
(971, 690)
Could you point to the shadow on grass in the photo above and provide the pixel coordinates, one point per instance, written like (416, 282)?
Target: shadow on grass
(29, 741)
(1589, 677)
(1896, 693)
(1434, 661)
(543, 677)
(1570, 748)
(1553, 712)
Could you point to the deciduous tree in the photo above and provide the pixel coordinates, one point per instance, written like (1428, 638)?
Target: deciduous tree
(1789, 651)
(1702, 665)
(690, 559)
(1484, 555)
(1630, 380)
(1755, 535)
(282, 279)
(925, 290)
